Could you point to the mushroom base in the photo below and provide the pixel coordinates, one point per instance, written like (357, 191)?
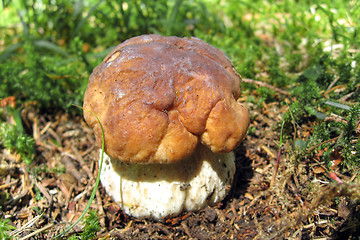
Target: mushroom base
(159, 191)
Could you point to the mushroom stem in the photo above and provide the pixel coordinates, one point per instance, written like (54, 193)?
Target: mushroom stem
(163, 190)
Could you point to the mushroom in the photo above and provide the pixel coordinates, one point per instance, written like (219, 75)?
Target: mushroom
(171, 120)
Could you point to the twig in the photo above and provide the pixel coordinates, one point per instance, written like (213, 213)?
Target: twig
(25, 190)
(43, 190)
(83, 193)
(81, 161)
(345, 97)
(186, 229)
(353, 177)
(65, 191)
(8, 184)
(72, 169)
(264, 84)
(276, 168)
(37, 231)
(268, 151)
(235, 213)
(262, 194)
(54, 135)
(47, 126)
(327, 141)
(27, 225)
(329, 89)
(259, 227)
(100, 208)
(119, 232)
(88, 150)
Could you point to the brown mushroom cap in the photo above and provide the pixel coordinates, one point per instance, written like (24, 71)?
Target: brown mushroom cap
(158, 96)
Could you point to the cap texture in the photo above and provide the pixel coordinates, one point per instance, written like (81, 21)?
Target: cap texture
(158, 97)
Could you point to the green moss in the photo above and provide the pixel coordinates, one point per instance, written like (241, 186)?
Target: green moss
(91, 227)
(17, 142)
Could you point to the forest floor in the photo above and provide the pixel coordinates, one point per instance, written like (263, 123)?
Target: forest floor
(273, 196)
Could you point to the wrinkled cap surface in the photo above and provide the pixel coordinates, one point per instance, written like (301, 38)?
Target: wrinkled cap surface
(158, 97)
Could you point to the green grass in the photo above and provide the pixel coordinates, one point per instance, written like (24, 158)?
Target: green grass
(57, 45)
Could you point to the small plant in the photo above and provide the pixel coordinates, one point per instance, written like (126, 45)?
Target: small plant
(91, 227)
(335, 136)
(350, 150)
(17, 141)
(5, 227)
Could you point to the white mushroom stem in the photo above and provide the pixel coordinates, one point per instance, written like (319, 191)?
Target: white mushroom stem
(163, 190)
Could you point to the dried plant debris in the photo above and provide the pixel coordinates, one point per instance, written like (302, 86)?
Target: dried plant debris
(43, 198)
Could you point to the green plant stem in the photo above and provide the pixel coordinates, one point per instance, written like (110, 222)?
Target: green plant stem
(96, 184)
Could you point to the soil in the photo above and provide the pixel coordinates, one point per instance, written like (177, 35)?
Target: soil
(273, 196)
